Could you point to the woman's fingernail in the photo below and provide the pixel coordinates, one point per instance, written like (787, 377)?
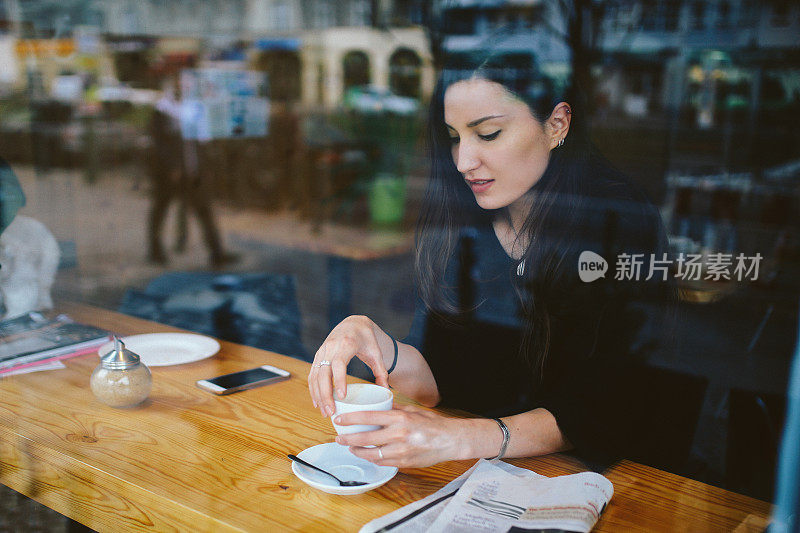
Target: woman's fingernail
(338, 420)
(338, 440)
(329, 410)
(340, 393)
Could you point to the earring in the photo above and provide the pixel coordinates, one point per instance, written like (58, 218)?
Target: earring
(561, 142)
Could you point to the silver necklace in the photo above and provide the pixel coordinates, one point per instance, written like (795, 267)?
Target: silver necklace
(521, 264)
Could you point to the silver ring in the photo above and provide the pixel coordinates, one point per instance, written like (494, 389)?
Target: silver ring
(323, 363)
(380, 452)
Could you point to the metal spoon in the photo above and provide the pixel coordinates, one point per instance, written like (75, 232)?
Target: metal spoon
(341, 483)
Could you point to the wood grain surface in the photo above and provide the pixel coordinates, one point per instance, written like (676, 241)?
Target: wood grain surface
(187, 460)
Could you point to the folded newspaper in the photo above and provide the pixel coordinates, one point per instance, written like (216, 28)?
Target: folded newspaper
(496, 496)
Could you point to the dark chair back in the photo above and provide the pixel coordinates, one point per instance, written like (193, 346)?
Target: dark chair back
(257, 309)
(674, 401)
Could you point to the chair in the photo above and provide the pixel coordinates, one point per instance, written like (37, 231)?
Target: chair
(754, 432)
(256, 309)
(674, 401)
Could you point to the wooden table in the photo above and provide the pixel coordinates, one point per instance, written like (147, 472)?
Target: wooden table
(191, 461)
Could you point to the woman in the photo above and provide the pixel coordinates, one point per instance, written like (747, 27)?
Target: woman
(504, 326)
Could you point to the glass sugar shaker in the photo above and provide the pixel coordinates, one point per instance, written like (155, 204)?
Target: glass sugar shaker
(121, 379)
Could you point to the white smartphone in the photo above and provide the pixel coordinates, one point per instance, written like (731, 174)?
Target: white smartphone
(246, 379)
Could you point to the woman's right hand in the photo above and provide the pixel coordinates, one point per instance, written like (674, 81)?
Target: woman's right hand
(355, 336)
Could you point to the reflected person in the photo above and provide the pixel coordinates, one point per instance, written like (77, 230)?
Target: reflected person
(176, 176)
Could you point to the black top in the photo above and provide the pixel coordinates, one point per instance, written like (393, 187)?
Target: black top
(601, 331)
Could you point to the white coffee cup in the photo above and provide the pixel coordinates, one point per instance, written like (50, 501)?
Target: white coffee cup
(362, 397)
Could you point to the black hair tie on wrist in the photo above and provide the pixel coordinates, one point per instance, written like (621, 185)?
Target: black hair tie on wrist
(394, 361)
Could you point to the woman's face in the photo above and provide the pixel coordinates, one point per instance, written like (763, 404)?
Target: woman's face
(498, 146)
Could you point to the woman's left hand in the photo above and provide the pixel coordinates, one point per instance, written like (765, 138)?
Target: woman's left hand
(410, 437)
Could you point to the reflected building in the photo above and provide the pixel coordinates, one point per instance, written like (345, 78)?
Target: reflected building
(312, 50)
(652, 56)
(712, 56)
(526, 32)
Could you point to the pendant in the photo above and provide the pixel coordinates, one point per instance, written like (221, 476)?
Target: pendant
(521, 268)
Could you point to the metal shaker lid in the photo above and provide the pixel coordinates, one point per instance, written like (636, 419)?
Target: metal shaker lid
(119, 358)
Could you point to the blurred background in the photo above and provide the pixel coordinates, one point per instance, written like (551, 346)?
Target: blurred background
(288, 199)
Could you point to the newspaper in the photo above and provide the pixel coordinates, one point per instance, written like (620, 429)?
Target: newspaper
(496, 496)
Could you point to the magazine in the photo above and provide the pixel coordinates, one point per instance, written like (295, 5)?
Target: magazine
(33, 339)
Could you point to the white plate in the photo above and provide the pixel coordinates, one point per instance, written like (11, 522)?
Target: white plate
(164, 349)
(338, 460)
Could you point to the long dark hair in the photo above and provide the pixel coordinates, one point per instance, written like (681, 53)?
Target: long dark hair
(555, 226)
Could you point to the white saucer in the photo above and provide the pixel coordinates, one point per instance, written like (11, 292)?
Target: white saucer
(338, 460)
(165, 349)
